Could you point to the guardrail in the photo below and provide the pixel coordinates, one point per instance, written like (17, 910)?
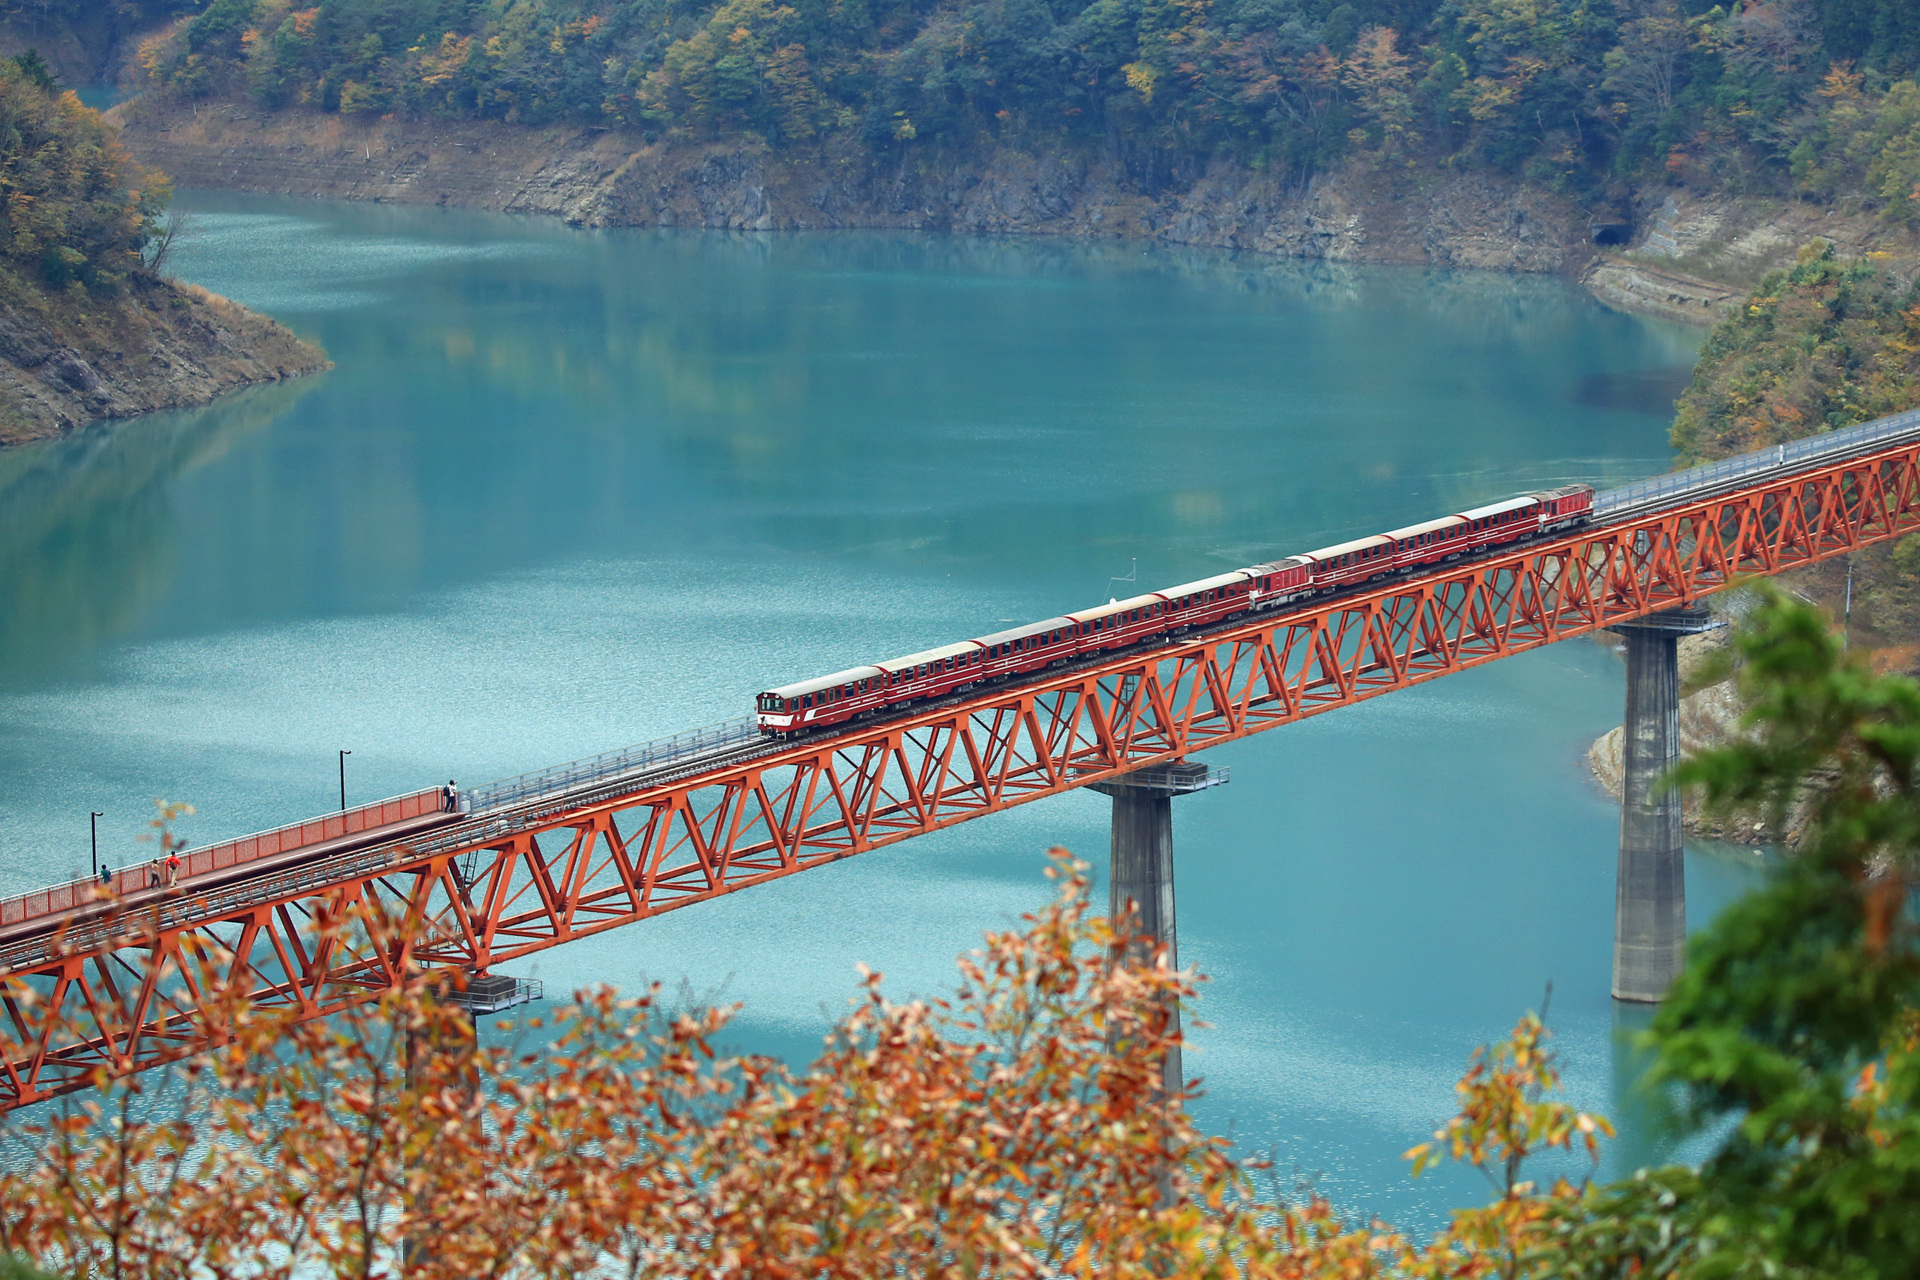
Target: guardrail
(1799, 453)
(216, 857)
(610, 764)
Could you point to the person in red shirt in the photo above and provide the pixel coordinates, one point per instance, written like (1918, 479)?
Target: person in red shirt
(173, 868)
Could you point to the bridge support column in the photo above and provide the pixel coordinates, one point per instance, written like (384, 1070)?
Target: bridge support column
(1140, 879)
(1650, 895)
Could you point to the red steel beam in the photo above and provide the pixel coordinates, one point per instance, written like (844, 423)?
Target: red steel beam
(154, 987)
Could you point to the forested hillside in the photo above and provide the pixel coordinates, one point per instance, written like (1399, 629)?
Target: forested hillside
(87, 327)
(1586, 96)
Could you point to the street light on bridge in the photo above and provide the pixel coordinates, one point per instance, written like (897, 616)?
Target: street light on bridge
(343, 779)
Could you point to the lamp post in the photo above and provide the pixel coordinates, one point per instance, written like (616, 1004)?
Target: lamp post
(93, 822)
(343, 780)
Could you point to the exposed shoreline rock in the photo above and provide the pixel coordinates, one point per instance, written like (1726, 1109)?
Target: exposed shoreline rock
(66, 362)
(1650, 290)
(601, 177)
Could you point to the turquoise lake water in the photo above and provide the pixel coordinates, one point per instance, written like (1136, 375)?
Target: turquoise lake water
(569, 490)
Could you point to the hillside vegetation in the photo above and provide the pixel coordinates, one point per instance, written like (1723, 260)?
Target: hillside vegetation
(87, 327)
(1586, 96)
(1828, 343)
(78, 211)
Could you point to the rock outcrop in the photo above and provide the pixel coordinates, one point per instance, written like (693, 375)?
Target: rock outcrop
(66, 361)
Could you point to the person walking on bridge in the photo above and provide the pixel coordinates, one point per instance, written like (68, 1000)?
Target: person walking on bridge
(173, 868)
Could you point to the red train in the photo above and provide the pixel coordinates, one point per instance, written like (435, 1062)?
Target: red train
(846, 695)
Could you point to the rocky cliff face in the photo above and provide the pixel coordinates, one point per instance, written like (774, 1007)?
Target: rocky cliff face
(65, 362)
(607, 178)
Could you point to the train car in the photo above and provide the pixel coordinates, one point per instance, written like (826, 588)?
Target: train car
(1429, 542)
(833, 699)
(1567, 506)
(1279, 583)
(933, 672)
(1196, 604)
(1119, 623)
(1027, 648)
(1499, 522)
(1349, 564)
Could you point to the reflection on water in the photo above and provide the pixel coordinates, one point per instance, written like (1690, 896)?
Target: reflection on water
(88, 536)
(1652, 391)
(568, 490)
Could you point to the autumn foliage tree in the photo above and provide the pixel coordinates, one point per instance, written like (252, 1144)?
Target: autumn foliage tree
(77, 210)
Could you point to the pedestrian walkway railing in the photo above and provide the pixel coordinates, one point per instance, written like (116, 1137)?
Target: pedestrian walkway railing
(610, 764)
(1664, 490)
(230, 853)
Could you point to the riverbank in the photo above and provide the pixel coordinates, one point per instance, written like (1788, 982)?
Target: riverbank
(66, 361)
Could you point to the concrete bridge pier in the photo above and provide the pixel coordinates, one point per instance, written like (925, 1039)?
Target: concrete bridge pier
(1140, 878)
(1650, 895)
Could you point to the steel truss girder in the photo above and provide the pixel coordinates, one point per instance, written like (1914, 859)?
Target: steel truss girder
(162, 991)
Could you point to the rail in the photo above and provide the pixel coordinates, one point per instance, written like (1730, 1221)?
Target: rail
(1677, 485)
(217, 857)
(610, 764)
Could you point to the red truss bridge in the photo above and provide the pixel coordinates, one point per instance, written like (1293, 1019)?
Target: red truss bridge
(139, 977)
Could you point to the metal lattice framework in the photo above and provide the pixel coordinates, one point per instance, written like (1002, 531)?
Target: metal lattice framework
(154, 986)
